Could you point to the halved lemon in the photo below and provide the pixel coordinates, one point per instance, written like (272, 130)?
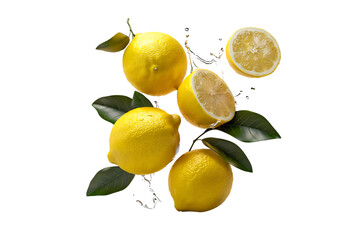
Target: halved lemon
(253, 52)
(205, 100)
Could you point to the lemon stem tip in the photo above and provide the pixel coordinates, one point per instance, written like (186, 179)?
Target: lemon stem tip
(131, 31)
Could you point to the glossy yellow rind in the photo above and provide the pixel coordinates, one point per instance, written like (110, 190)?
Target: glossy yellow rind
(144, 140)
(154, 63)
(200, 180)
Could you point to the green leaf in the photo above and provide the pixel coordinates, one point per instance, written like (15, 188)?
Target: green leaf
(109, 180)
(110, 108)
(140, 100)
(115, 44)
(230, 152)
(248, 126)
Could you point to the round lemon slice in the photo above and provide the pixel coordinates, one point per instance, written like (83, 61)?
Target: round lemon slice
(205, 100)
(253, 52)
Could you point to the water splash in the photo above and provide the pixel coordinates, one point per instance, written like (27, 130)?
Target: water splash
(196, 61)
(245, 94)
(213, 125)
(156, 104)
(147, 179)
(215, 64)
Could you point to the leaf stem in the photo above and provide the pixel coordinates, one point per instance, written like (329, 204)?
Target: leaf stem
(132, 33)
(207, 130)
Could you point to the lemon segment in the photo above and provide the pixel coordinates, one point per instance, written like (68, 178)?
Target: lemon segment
(205, 100)
(199, 181)
(144, 140)
(253, 52)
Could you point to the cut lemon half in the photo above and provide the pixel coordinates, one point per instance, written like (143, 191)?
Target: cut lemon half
(205, 100)
(253, 52)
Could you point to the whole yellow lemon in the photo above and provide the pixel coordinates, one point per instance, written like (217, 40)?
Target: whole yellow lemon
(154, 63)
(144, 140)
(200, 180)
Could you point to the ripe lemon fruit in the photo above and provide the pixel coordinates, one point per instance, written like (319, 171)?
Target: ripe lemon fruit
(154, 63)
(253, 52)
(205, 100)
(144, 140)
(200, 180)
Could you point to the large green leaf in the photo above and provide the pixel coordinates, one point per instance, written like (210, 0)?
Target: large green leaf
(140, 100)
(109, 180)
(110, 108)
(248, 126)
(115, 44)
(230, 152)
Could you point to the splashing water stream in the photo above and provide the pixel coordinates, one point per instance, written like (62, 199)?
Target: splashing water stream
(197, 61)
(147, 180)
(213, 63)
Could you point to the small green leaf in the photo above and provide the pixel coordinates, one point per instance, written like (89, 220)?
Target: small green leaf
(248, 126)
(109, 180)
(140, 100)
(230, 152)
(115, 44)
(110, 108)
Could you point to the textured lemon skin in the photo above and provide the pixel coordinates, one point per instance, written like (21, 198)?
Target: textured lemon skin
(144, 140)
(232, 62)
(190, 107)
(199, 181)
(154, 63)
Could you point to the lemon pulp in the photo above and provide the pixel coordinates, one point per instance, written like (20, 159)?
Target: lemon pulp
(213, 94)
(253, 52)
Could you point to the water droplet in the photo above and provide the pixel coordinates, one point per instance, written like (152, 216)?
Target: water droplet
(220, 39)
(155, 68)
(213, 125)
(247, 97)
(186, 29)
(156, 104)
(238, 94)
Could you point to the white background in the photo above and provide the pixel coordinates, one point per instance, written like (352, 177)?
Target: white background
(304, 186)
